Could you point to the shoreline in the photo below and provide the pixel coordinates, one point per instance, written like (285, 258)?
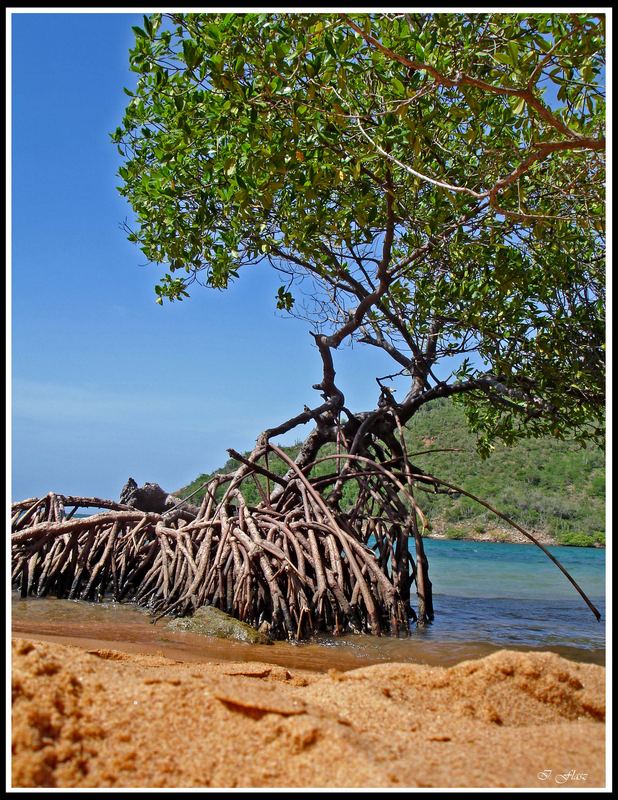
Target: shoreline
(502, 536)
(313, 656)
(103, 718)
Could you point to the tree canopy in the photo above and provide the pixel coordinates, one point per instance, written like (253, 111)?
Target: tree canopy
(427, 184)
(431, 185)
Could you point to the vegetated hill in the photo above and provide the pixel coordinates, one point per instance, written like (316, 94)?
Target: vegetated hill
(550, 487)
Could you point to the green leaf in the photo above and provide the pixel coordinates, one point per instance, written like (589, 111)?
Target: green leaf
(191, 53)
(330, 47)
(398, 86)
(504, 58)
(519, 106)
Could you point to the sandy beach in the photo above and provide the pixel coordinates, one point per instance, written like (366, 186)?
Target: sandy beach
(104, 718)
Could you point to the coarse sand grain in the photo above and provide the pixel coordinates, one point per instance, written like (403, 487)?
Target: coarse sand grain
(103, 718)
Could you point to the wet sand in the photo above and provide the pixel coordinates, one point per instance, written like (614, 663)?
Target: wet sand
(92, 716)
(127, 628)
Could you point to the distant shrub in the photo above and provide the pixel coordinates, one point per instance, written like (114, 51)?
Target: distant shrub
(575, 540)
(597, 484)
(455, 533)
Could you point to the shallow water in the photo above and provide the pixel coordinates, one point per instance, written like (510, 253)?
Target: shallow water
(512, 594)
(487, 596)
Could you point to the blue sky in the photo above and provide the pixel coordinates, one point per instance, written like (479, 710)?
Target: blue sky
(105, 383)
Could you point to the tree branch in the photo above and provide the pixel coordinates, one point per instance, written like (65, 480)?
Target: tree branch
(467, 80)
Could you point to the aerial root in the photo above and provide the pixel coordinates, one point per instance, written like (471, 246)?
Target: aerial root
(296, 563)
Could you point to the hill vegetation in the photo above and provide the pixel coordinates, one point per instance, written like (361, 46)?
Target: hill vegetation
(551, 487)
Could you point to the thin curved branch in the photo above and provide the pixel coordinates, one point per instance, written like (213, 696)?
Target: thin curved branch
(462, 79)
(459, 490)
(543, 149)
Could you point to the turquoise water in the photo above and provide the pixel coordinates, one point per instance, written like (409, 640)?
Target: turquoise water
(511, 594)
(489, 569)
(486, 596)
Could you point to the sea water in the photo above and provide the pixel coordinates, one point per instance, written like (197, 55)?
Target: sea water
(487, 596)
(513, 594)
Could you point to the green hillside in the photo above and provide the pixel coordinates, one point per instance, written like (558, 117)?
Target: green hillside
(548, 486)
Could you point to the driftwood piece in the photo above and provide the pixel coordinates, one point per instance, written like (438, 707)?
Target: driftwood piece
(151, 497)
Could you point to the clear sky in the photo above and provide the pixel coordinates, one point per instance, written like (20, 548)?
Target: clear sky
(105, 383)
